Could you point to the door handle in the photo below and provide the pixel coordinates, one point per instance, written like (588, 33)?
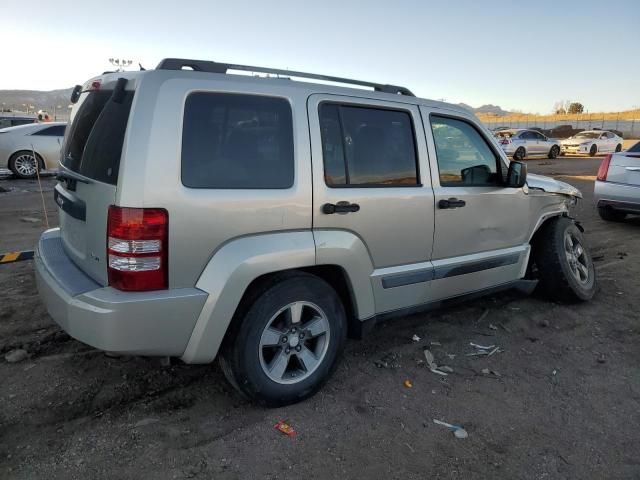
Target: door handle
(340, 207)
(451, 203)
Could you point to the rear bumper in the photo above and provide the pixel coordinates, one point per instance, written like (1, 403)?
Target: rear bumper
(618, 196)
(143, 323)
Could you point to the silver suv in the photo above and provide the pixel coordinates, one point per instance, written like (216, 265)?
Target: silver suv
(260, 220)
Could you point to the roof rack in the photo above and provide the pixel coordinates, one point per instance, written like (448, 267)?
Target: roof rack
(215, 67)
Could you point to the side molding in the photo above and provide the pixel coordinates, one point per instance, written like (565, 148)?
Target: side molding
(229, 273)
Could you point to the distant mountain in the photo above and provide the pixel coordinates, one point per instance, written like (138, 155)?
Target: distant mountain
(14, 99)
(494, 109)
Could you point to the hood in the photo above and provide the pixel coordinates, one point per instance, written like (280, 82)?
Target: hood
(552, 185)
(574, 141)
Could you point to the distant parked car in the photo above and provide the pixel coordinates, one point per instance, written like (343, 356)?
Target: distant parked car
(6, 121)
(617, 189)
(591, 142)
(19, 144)
(520, 143)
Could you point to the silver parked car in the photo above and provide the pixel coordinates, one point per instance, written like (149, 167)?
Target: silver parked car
(21, 146)
(259, 220)
(591, 142)
(521, 144)
(617, 188)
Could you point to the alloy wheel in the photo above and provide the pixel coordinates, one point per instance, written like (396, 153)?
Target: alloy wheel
(294, 342)
(577, 258)
(25, 164)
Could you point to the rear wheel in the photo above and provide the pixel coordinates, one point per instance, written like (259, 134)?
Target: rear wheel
(24, 164)
(519, 154)
(564, 266)
(554, 152)
(611, 215)
(287, 341)
(618, 148)
(593, 150)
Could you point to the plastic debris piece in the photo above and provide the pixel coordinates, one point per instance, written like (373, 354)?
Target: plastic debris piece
(445, 368)
(457, 430)
(415, 338)
(408, 383)
(436, 344)
(482, 347)
(492, 327)
(285, 428)
(483, 316)
(438, 372)
(451, 355)
(497, 349)
(429, 357)
(485, 371)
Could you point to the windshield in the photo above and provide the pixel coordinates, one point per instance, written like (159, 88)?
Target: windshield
(587, 135)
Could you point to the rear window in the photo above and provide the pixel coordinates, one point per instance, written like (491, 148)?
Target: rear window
(635, 148)
(93, 146)
(234, 141)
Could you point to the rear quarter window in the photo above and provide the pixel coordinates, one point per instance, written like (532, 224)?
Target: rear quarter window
(235, 141)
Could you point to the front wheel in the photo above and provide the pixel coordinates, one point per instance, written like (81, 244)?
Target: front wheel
(618, 148)
(593, 150)
(554, 152)
(287, 342)
(563, 262)
(519, 154)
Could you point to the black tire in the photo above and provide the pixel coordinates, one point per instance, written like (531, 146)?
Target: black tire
(618, 148)
(242, 352)
(519, 154)
(556, 277)
(17, 171)
(554, 152)
(611, 215)
(593, 150)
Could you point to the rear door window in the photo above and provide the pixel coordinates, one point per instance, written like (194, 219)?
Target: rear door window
(54, 131)
(234, 141)
(366, 146)
(93, 146)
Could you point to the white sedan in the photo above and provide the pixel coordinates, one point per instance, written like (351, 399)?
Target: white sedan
(18, 145)
(591, 142)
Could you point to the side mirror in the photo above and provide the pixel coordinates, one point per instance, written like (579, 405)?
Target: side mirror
(517, 175)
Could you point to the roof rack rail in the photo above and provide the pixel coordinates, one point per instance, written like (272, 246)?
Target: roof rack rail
(215, 67)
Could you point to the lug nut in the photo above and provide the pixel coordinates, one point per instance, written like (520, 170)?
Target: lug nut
(285, 339)
(302, 335)
(293, 330)
(298, 348)
(287, 350)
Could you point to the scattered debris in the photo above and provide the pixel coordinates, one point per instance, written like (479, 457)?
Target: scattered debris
(388, 361)
(408, 383)
(457, 430)
(30, 220)
(487, 371)
(602, 359)
(429, 357)
(493, 351)
(505, 328)
(445, 368)
(482, 347)
(483, 316)
(543, 323)
(554, 372)
(492, 327)
(451, 355)
(15, 356)
(285, 428)
(415, 338)
(410, 448)
(436, 344)
(621, 255)
(145, 421)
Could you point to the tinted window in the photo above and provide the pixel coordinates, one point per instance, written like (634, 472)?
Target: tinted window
(539, 136)
(635, 148)
(367, 146)
(93, 146)
(528, 136)
(237, 141)
(464, 157)
(54, 131)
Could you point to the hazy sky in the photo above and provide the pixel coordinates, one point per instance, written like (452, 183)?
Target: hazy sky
(520, 55)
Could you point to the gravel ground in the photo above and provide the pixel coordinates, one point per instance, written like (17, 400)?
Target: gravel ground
(562, 398)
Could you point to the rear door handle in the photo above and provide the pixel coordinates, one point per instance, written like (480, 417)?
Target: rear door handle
(340, 207)
(451, 203)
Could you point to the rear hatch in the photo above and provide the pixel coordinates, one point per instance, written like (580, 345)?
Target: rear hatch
(625, 166)
(89, 170)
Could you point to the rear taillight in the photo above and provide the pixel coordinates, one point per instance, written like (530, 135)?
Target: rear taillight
(505, 141)
(137, 248)
(604, 168)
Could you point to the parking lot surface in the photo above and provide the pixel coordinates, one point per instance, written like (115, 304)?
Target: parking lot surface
(560, 398)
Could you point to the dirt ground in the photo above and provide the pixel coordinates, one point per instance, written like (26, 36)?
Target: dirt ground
(564, 403)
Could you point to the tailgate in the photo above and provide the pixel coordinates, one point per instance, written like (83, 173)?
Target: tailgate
(625, 167)
(89, 174)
